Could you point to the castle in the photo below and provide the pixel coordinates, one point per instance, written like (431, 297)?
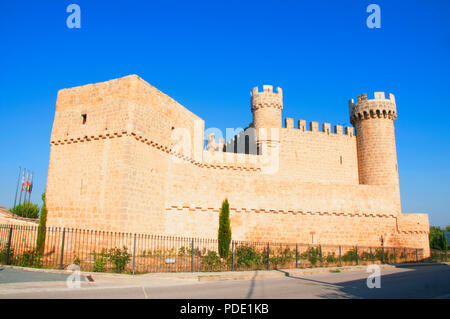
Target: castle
(126, 157)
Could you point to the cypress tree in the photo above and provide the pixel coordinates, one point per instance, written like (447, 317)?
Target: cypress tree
(40, 241)
(224, 234)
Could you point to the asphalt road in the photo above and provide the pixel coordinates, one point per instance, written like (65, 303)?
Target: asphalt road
(407, 282)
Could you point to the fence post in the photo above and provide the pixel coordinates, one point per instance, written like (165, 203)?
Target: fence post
(357, 259)
(9, 245)
(61, 260)
(296, 255)
(382, 255)
(232, 255)
(340, 257)
(320, 255)
(417, 256)
(268, 256)
(192, 255)
(134, 253)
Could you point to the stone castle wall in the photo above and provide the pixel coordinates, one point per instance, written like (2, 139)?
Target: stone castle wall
(115, 165)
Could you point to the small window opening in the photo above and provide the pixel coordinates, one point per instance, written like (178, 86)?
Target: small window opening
(84, 118)
(247, 144)
(341, 160)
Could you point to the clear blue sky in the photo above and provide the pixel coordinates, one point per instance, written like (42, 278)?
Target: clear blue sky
(209, 54)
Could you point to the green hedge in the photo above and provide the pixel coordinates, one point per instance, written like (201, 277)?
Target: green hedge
(28, 210)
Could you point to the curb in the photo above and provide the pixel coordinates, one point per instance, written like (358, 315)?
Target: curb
(222, 276)
(422, 264)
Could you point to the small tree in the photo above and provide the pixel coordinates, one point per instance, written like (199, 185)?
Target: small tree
(40, 241)
(224, 234)
(437, 240)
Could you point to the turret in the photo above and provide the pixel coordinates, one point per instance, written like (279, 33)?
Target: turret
(266, 108)
(375, 137)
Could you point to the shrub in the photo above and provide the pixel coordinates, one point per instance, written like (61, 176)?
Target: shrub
(77, 260)
(261, 259)
(119, 258)
(224, 234)
(312, 254)
(100, 261)
(246, 256)
(365, 256)
(350, 255)
(379, 254)
(282, 257)
(331, 258)
(28, 210)
(211, 260)
(29, 258)
(3, 252)
(182, 251)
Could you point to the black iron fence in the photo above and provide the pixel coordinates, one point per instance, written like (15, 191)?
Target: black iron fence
(104, 251)
(440, 255)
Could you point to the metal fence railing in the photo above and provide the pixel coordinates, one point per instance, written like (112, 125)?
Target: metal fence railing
(105, 251)
(440, 255)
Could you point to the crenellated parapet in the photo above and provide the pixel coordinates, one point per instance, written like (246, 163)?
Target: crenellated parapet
(314, 128)
(211, 144)
(266, 98)
(378, 107)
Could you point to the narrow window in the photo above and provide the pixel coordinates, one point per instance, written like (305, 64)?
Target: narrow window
(247, 144)
(84, 118)
(341, 160)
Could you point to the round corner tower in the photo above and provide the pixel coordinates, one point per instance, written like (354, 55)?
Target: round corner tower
(266, 109)
(373, 120)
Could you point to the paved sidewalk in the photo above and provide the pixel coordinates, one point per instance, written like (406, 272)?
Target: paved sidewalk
(13, 277)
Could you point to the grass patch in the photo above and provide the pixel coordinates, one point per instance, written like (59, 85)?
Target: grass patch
(335, 271)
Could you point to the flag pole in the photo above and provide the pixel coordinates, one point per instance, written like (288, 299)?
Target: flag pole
(25, 195)
(21, 191)
(17, 187)
(29, 192)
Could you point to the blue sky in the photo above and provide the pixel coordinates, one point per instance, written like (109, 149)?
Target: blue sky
(209, 54)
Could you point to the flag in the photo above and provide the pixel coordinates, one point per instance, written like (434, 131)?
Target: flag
(28, 184)
(17, 186)
(31, 183)
(23, 181)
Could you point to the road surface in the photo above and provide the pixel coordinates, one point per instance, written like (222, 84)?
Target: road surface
(405, 282)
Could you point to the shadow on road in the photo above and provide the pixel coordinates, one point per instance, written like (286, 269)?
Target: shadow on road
(252, 286)
(418, 282)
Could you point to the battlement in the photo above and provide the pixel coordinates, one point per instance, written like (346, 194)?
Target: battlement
(378, 107)
(314, 128)
(211, 144)
(266, 98)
